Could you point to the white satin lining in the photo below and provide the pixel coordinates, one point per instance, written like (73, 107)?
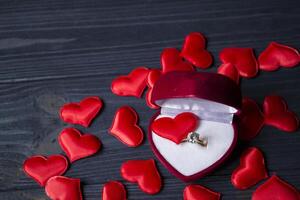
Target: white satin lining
(188, 158)
(205, 109)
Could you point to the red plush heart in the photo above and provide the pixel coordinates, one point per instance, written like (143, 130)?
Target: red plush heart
(171, 61)
(149, 100)
(78, 146)
(114, 190)
(41, 168)
(175, 129)
(242, 58)
(198, 192)
(230, 71)
(81, 113)
(277, 114)
(251, 169)
(251, 120)
(125, 128)
(144, 173)
(194, 51)
(153, 76)
(275, 188)
(276, 55)
(132, 84)
(63, 188)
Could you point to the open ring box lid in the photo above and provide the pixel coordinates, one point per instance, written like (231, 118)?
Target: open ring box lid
(215, 99)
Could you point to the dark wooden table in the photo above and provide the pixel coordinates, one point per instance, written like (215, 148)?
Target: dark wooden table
(53, 52)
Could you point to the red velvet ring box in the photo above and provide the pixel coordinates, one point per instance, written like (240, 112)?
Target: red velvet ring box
(215, 99)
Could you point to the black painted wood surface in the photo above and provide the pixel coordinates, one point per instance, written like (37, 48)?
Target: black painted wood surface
(53, 52)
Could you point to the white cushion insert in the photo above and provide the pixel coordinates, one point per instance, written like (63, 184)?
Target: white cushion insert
(189, 158)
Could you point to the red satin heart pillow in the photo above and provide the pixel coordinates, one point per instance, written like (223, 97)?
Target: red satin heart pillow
(81, 113)
(171, 61)
(76, 145)
(243, 59)
(194, 51)
(276, 189)
(41, 168)
(198, 192)
(124, 127)
(277, 55)
(251, 119)
(153, 76)
(175, 129)
(277, 114)
(63, 188)
(114, 190)
(251, 169)
(132, 84)
(144, 173)
(230, 71)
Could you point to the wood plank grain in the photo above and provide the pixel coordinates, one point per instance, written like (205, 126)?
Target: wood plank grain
(30, 125)
(67, 42)
(53, 52)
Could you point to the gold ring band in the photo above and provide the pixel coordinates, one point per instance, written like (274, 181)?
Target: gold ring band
(194, 137)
